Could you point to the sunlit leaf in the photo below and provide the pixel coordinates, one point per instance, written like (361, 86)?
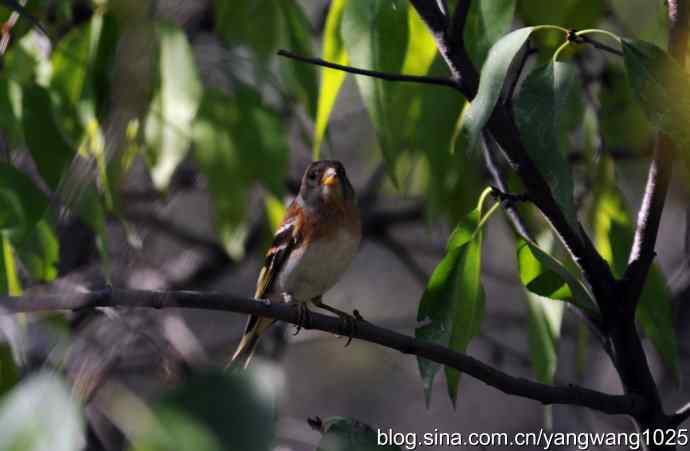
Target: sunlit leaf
(347, 434)
(538, 109)
(174, 105)
(40, 414)
(40, 252)
(331, 80)
(275, 211)
(9, 266)
(545, 276)
(453, 300)
(493, 76)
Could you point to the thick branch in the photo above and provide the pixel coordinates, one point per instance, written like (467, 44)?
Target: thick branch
(546, 394)
(649, 217)
(439, 81)
(502, 127)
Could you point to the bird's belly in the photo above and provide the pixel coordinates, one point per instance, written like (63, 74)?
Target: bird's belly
(310, 273)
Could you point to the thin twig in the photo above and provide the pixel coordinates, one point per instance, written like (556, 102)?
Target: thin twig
(438, 81)
(596, 44)
(543, 393)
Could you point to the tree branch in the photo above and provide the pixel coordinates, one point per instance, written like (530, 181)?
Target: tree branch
(545, 394)
(502, 127)
(679, 417)
(659, 176)
(439, 81)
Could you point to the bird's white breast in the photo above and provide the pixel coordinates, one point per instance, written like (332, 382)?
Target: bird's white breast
(313, 269)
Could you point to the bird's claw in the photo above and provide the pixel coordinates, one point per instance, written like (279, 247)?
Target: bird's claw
(266, 302)
(303, 317)
(349, 325)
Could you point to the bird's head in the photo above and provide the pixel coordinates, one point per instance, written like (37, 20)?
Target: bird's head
(325, 181)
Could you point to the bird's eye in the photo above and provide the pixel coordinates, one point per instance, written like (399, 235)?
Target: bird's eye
(312, 175)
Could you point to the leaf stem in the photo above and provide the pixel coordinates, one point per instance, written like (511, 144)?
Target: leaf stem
(599, 31)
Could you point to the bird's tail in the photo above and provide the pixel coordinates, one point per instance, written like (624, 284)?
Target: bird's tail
(252, 332)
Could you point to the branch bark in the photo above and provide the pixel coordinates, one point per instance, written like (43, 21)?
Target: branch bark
(659, 176)
(545, 394)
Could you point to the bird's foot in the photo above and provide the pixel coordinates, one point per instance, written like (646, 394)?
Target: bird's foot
(303, 317)
(349, 325)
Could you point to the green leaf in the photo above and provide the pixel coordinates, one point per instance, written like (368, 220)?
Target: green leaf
(347, 434)
(493, 76)
(40, 253)
(12, 285)
(614, 233)
(453, 300)
(545, 276)
(577, 14)
(205, 399)
(544, 330)
(375, 34)
(23, 12)
(651, 26)
(174, 105)
(538, 112)
(623, 123)
(662, 87)
(40, 414)
(301, 77)
(253, 23)
(49, 148)
(237, 142)
(22, 204)
(486, 22)
(9, 373)
(331, 80)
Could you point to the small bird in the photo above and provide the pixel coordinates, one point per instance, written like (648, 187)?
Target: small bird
(311, 249)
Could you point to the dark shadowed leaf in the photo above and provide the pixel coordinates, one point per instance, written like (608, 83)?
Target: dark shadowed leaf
(487, 21)
(253, 23)
(651, 26)
(663, 89)
(623, 123)
(347, 434)
(375, 35)
(301, 77)
(40, 414)
(48, 147)
(23, 204)
(576, 14)
(40, 252)
(23, 12)
(238, 141)
(216, 411)
(493, 76)
(538, 112)
(545, 276)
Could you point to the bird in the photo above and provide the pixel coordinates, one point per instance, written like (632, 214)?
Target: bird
(311, 249)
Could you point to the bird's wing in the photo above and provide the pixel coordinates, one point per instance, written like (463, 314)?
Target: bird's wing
(286, 238)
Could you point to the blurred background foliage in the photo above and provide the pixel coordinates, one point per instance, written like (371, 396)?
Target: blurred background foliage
(125, 102)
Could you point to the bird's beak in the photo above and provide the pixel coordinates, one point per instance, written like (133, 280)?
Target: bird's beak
(330, 177)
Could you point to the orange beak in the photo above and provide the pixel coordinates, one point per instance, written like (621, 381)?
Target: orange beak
(330, 177)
